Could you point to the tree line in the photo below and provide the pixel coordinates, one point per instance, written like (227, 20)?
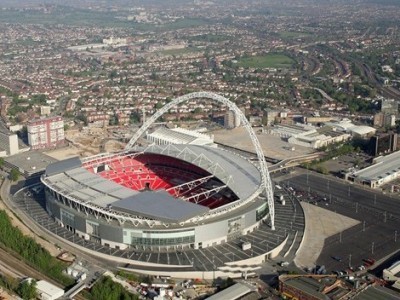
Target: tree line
(31, 252)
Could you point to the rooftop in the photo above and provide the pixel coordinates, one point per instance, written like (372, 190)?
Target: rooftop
(234, 292)
(246, 178)
(377, 292)
(308, 285)
(49, 289)
(181, 136)
(385, 166)
(31, 161)
(159, 205)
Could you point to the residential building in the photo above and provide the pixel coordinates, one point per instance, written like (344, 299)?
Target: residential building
(46, 133)
(231, 120)
(389, 106)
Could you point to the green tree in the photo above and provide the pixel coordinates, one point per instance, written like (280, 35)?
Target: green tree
(107, 289)
(27, 290)
(322, 169)
(198, 110)
(159, 105)
(30, 251)
(134, 117)
(14, 175)
(1, 162)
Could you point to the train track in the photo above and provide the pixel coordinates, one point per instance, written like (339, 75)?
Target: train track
(20, 269)
(370, 75)
(16, 268)
(10, 271)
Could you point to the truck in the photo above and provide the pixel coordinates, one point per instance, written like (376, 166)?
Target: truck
(246, 246)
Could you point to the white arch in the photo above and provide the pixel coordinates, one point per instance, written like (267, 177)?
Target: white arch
(266, 180)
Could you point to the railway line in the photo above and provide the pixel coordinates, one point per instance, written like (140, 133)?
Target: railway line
(372, 78)
(20, 269)
(16, 268)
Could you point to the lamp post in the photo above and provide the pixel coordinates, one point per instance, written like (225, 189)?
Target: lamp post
(213, 261)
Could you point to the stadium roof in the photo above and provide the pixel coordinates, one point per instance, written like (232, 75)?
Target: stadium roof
(246, 177)
(81, 184)
(63, 165)
(159, 205)
(88, 187)
(180, 136)
(173, 136)
(75, 181)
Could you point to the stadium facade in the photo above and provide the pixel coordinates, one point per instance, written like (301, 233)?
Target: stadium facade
(162, 197)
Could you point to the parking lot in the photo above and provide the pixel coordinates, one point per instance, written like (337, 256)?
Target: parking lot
(344, 163)
(374, 237)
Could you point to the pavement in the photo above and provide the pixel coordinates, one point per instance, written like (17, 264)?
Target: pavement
(272, 146)
(378, 216)
(321, 224)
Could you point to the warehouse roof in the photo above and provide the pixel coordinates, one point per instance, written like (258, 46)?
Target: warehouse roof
(234, 292)
(377, 292)
(384, 166)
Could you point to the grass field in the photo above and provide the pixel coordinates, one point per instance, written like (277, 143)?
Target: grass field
(293, 34)
(273, 60)
(84, 17)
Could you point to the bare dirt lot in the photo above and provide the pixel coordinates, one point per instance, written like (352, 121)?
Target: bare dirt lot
(86, 143)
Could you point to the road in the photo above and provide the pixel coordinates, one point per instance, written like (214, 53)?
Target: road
(379, 216)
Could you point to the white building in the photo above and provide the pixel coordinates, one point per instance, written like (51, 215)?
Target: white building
(45, 110)
(10, 144)
(310, 136)
(385, 169)
(48, 291)
(115, 41)
(287, 131)
(393, 272)
(345, 125)
(165, 136)
(315, 139)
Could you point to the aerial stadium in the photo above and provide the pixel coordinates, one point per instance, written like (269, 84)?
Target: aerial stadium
(148, 202)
